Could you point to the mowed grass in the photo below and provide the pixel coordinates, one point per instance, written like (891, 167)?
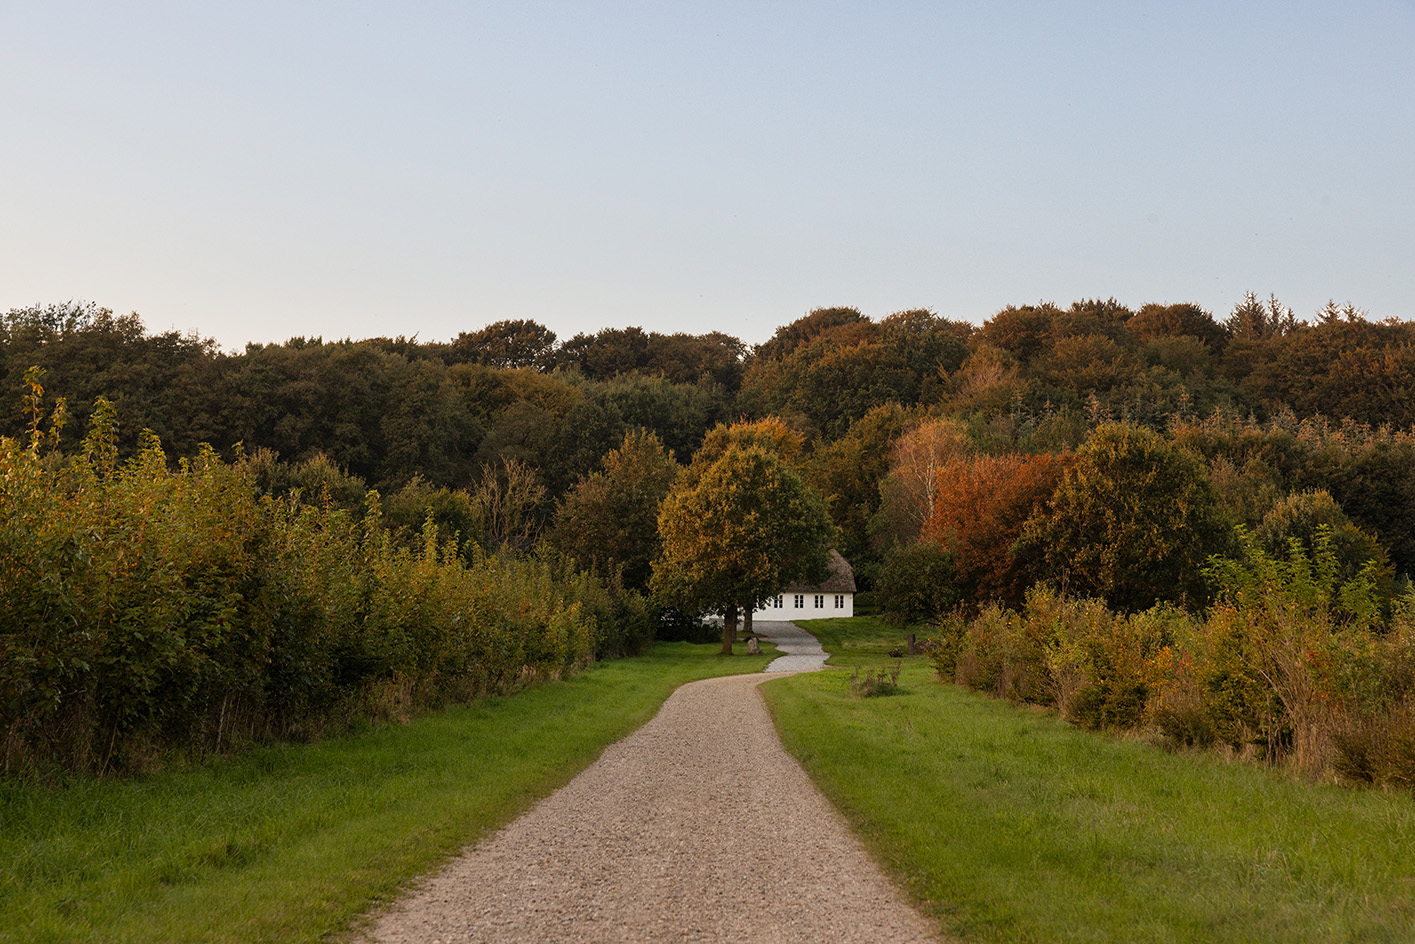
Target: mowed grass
(1010, 825)
(293, 843)
(860, 640)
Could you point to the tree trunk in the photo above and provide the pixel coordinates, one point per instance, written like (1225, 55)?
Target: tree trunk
(746, 621)
(729, 630)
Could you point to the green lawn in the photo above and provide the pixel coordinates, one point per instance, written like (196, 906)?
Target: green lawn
(860, 640)
(1009, 825)
(292, 843)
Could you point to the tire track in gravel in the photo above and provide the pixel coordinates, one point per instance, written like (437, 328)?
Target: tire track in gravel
(697, 827)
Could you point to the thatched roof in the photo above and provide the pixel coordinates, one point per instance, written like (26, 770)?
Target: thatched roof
(841, 579)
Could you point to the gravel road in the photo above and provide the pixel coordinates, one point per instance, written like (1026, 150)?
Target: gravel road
(697, 827)
(800, 651)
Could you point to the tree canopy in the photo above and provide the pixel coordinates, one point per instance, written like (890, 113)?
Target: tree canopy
(737, 531)
(1132, 522)
(609, 518)
(1270, 405)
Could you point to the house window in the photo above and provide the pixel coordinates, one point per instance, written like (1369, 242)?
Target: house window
(780, 603)
(840, 601)
(820, 600)
(800, 601)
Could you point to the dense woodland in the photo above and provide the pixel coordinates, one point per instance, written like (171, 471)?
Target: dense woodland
(1109, 453)
(1269, 405)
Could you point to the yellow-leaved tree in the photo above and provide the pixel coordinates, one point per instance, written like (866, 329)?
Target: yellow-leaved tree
(739, 523)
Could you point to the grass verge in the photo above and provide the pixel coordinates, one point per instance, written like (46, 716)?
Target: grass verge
(1009, 825)
(293, 843)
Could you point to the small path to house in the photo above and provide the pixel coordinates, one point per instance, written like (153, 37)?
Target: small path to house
(802, 651)
(697, 827)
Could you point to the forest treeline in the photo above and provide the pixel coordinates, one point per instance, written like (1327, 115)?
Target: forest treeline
(1271, 405)
(1108, 453)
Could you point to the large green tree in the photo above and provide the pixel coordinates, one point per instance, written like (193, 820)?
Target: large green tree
(1177, 321)
(1133, 521)
(848, 472)
(609, 518)
(167, 382)
(836, 371)
(735, 530)
(519, 343)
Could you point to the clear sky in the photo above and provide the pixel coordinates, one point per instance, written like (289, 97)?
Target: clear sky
(257, 170)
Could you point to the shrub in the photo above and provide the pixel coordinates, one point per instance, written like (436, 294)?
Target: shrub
(675, 625)
(1378, 748)
(1375, 737)
(1302, 516)
(982, 650)
(1096, 667)
(1293, 663)
(945, 645)
(874, 684)
(1178, 708)
(1291, 643)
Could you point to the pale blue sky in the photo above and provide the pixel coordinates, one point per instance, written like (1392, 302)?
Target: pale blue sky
(257, 170)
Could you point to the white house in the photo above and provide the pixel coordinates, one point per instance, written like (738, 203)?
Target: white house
(834, 597)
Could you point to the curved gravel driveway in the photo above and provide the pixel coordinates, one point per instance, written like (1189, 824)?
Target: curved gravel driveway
(697, 827)
(800, 651)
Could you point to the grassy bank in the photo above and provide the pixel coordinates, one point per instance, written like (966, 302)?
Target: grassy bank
(292, 843)
(1010, 825)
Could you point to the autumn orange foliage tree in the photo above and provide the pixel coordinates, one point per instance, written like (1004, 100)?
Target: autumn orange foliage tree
(980, 504)
(907, 493)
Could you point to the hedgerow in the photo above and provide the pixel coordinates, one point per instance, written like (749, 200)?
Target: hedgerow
(1295, 663)
(146, 609)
